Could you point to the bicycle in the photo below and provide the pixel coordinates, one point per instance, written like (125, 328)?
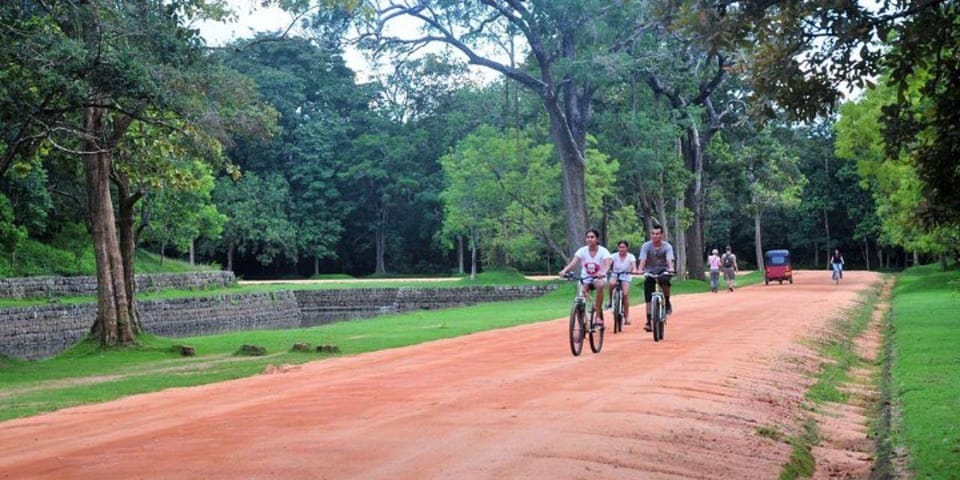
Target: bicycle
(582, 309)
(836, 273)
(616, 301)
(658, 306)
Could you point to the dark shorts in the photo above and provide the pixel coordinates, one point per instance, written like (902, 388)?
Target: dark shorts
(649, 285)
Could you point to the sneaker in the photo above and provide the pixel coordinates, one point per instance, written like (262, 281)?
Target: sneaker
(730, 288)
(646, 328)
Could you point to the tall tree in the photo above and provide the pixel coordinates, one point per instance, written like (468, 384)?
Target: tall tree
(572, 45)
(114, 63)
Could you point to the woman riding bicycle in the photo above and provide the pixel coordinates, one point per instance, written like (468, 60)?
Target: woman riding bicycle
(656, 257)
(836, 262)
(622, 266)
(595, 261)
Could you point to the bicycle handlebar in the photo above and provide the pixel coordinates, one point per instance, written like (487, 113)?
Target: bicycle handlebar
(658, 275)
(573, 276)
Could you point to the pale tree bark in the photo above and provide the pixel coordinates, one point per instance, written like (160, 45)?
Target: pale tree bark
(381, 240)
(866, 252)
(474, 234)
(826, 229)
(460, 254)
(758, 240)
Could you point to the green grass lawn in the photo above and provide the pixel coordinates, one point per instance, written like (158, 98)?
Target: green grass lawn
(86, 374)
(926, 369)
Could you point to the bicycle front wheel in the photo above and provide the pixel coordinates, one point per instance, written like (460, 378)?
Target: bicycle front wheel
(596, 331)
(617, 300)
(577, 329)
(656, 317)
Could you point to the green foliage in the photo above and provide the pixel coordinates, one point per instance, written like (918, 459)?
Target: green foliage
(898, 191)
(257, 212)
(181, 213)
(11, 235)
(500, 192)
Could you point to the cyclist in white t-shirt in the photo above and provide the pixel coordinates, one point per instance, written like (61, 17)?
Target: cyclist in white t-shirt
(626, 264)
(595, 260)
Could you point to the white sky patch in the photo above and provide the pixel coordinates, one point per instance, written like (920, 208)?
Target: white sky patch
(253, 19)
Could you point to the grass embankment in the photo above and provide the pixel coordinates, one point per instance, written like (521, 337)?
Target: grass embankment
(924, 330)
(85, 374)
(921, 365)
(72, 255)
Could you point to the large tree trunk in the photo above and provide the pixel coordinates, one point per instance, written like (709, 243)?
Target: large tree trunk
(574, 190)
(128, 239)
(230, 249)
(693, 201)
(113, 325)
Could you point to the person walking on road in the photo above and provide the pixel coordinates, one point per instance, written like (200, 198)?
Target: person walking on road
(713, 263)
(729, 263)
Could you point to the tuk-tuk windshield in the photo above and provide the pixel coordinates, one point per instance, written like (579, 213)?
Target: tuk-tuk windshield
(778, 257)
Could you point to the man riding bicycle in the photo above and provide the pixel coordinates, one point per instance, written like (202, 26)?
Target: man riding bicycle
(656, 257)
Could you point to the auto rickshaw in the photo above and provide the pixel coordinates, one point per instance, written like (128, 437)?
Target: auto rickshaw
(777, 266)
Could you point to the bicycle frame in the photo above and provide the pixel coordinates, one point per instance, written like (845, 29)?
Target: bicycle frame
(658, 307)
(616, 301)
(583, 319)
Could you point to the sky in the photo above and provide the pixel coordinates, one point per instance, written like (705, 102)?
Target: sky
(261, 19)
(253, 18)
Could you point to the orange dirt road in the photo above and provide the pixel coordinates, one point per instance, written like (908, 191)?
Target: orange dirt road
(510, 403)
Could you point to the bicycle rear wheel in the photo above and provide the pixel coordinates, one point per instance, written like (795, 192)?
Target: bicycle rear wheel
(577, 329)
(617, 300)
(656, 317)
(596, 331)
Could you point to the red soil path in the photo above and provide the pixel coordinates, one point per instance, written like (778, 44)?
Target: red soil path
(510, 403)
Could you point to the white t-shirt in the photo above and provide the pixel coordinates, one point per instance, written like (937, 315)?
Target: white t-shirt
(624, 264)
(592, 265)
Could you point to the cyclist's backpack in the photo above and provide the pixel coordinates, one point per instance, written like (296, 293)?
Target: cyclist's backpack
(727, 261)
